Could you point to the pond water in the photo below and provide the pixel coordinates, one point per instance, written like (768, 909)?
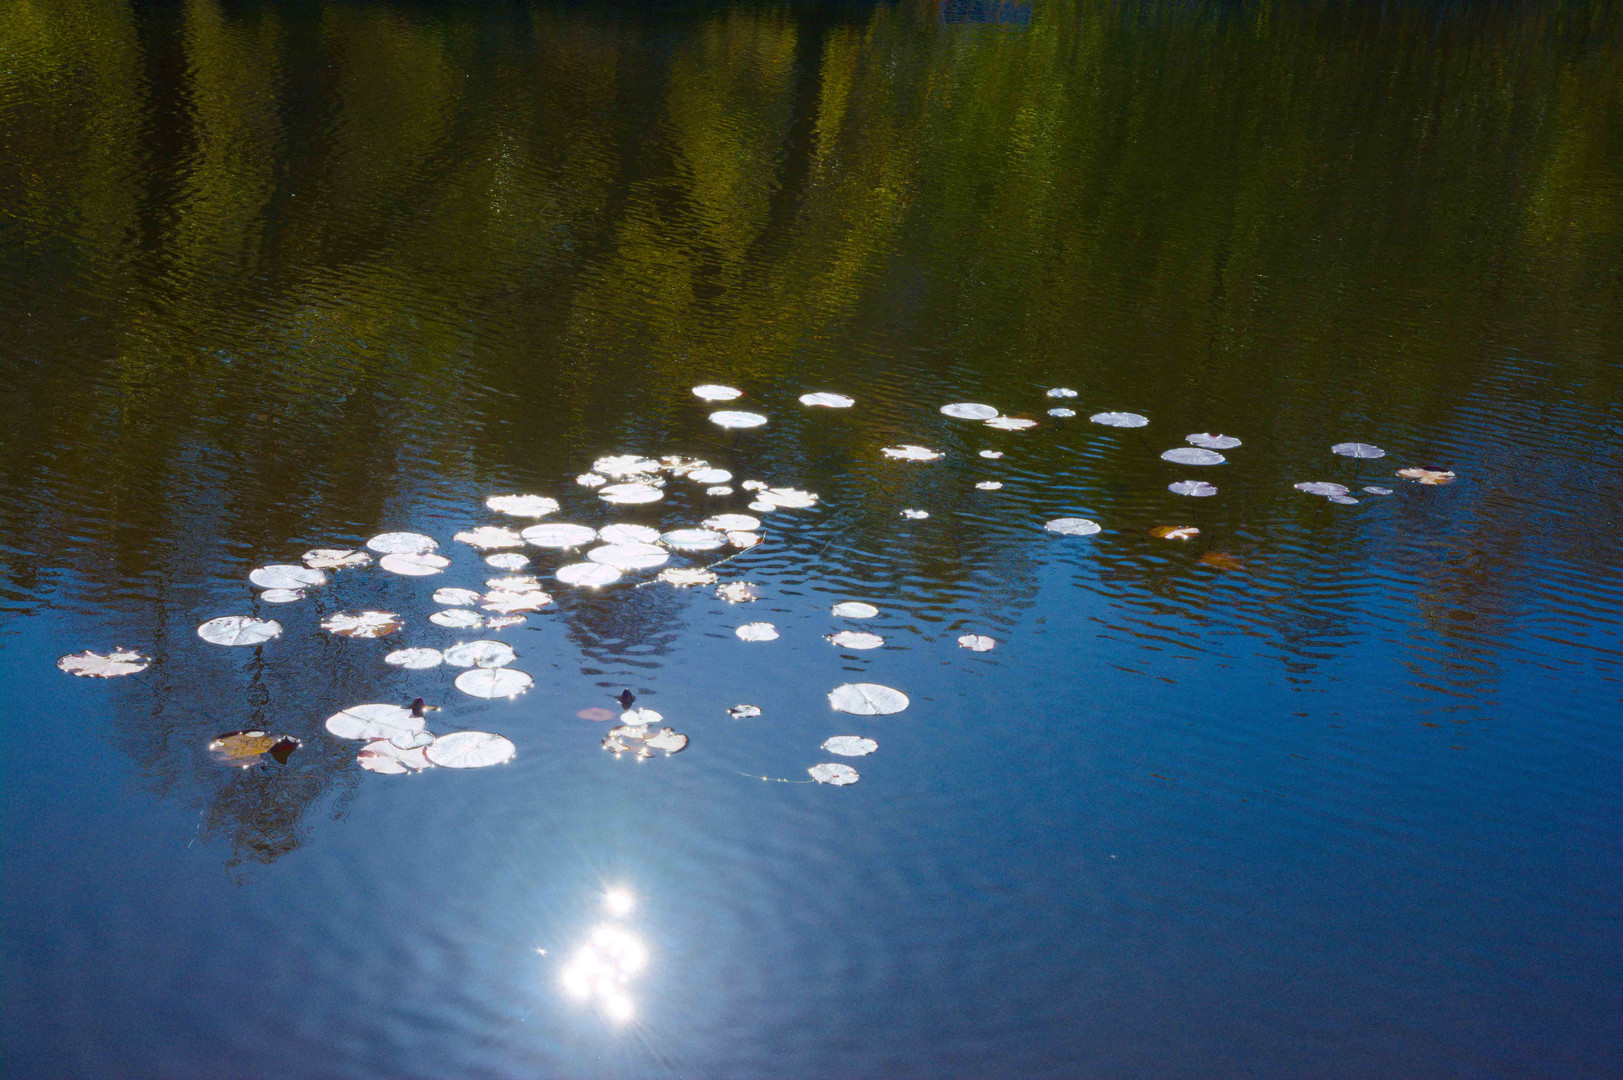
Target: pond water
(1330, 789)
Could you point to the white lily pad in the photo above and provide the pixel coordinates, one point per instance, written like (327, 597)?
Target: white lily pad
(732, 522)
(741, 540)
(856, 639)
(1326, 488)
(786, 499)
(716, 392)
(1062, 392)
(729, 418)
(1062, 412)
(628, 534)
(502, 622)
(287, 576)
(1199, 489)
(744, 712)
(239, 630)
(1119, 419)
(968, 410)
(625, 557)
(414, 565)
(709, 476)
(529, 506)
(624, 466)
(373, 721)
(1010, 423)
(382, 756)
(827, 400)
(281, 596)
(991, 454)
(694, 539)
(1212, 442)
(335, 558)
(559, 535)
(1357, 450)
(457, 618)
(363, 624)
(416, 659)
(834, 773)
(587, 574)
(452, 597)
(989, 485)
(491, 537)
(909, 452)
(402, 543)
(514, 583)
(1192, 455)
(492, 682)
(470, 749)
(109, 665)
(867, 699)
(1069, 526)
(754, 485)
(508, 601)
(630, 494)
(977, 643)
(854, 609)
(1374, 490)
(483, 653)
(915, 515)
(507, 560)
(738, 592)
(850, 746)
(757, 631)
(667, 740)
(591, 480)
(684, 578)
(719, 489)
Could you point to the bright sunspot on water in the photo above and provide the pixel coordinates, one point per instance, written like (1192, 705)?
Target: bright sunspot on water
(600, 971)
(619, 902)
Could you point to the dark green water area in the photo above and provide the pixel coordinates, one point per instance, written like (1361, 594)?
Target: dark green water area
(1331, 788)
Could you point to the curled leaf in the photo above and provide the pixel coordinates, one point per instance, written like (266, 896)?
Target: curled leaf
(1175, 532)
(109, 665)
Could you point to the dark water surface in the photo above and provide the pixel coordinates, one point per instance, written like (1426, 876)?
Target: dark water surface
(1331, 791)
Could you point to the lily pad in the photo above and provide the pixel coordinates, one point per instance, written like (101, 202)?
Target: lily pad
(915, 515)
(507, 602)
(559, 535)
(502, 622)
(625, 557)
(1212, 442)
(373, 721)
(1062, 412)
(757, 631)
(491, 538)
(1427, 475)
(483, 653)
(716, 392)
(686, 578)
(630, 494)
(628, 534)
(827, 400)
(719, 489)
(1374, 490)
(977, 643)
(452, 597)
(991, 454)
(1175, 532)
(693, 539)
(728, 418)
(741, 540)
(402, 543)
(470, 749)
(363, 624)
(744, 712)
(417, 659)
(1010, 423)
(1357, 450)
(1070, 526)
(507, 560)
(239, 630)
(854, 609)
(834, 773)
(109, 665)
(492, 682)
(1062, 392)
(855, 639)
(287, 576)
(1199, 489)
(909, 452)
(785, 499)
(385, 757)
(335, 558)
(738, 592)
(1322, 487)
(1344, 500)
(1192, 455)
(457, 618)
(587, 574)
(530, 506)
(850, 746)
(968, 410)
(732, 522)
(867, 699)
(709, 476)
(624, 466)
(668, 740)
(414, 565)
(245, 748)
(1119, 419)
(591, 480)
(989, 485)
(281, 596)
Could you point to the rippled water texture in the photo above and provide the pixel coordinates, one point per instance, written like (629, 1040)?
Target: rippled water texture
(1328, 790)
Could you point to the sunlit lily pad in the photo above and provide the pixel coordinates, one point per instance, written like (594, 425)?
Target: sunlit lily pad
(729, 418)
(530, 506)
(453, 597)
(508, 601)
(641, 716)
(1343, 500)
(1192, 455)
(239, 630)
(741, 540)
(989, 485)
(591, 480)
(385, 757)
(991, 454)
(755, 485)
(507, 560)
(1175, 532)
(757, 631)
(785, 498)
(1062, 412)
(491, 537)
(867, 699)
(677, 465)
(471, 749)
(625, 557)
(483, 653)
(363, 624)
(718, 490)
(1357, 450)
(850, 746)
(854, 609)
(915, 515)
(624, 466)
(587, 574)
(710, 476)
(738, 592)
(282, 596)
(1119, 419)
(855, 639)
(628, 534)
(732, 522)
(417, 659)
(968, 410)
(909, 452)
(1322, 487)
(457, 618)
(109, 665)
(287, 576)
(684, 578)
(1374, 490)
(1010, 423)
(1062, 392)
(402, 543)
(744, 712)
(834, 773)
(630, 494)
(559, 535)
(502, 622)
(373, 721)
(414, 565)
(244, 748)
(1427, 475)
(668, 740)
(716, 392)
(827, 400)
(977, 643)
(1198, 489)
(1212, 442)
(492, 682)
(1069, 526)
(694, 539)
(335, 558)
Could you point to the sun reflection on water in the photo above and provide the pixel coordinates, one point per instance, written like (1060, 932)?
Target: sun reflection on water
(601, 971)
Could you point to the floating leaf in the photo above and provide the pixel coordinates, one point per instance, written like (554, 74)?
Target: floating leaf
(1199, 489)
(827, 400)
(383, 756)
(559, 535)
(738, 592)
(335, 558)
(1175, 532)
(507, 560)
(624, 466)
(287, 576)
(856, 639)
(1062, 413)
(456, 597)
(244, 748)
(506, 602)
(677, 465)
(714, 392)
(373, 721)
(757, 631)
(596, 713)
(1357, 450)
(854, 609)
(630, 494)
(1119, 419)
(483, 653)
(417, 659)
(727, 418)
(628, 534)
(720, 489)
(710, 476)
(641, 716)
(470, 749)
(502, 622)
(867, 699)
(754, 485)
(732, 522)
(668, 740)
(1192, 455)
(1322, 487)
(1069, 526)
(363, 624)
(909, 452)
(530, 506)
(1427, 475)
(977, 643)
(587, 574)
(457, 618)
(834, 773)
(491, 537)
(915, 515)
(402, 543)
(1062, 392)
(591, 480)
(968, 410)
(684, 578)
(110, 665)
(239, 630)
(1212, 442)
(1010, 423)
(850, 746)
(629, 556)
(992, 454)
(744, 712)
(1373, 490)
(784, 499)
(518, 583)
(414, 565)
(1219, 560)
(694, 539)
(989, 485)
(492, 682)
(1344, 500)
(281, 596)
(743, 539)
